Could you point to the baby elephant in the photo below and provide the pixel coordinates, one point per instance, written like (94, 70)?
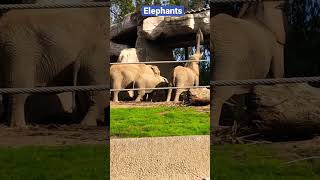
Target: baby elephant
(141, 75)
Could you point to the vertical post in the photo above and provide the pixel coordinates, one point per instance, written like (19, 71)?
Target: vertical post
(186, 53)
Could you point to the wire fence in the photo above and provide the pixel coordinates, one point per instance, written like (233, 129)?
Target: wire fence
(160, 88)
(161, 62)
(265, 81)
(107, 87)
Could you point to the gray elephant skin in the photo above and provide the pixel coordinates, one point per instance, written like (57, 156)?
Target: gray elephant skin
(42, 47)
(246, 47)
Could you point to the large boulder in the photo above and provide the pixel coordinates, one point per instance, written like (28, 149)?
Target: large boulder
(198, 97)
(168, 31)
(125, 32)
(165, 27)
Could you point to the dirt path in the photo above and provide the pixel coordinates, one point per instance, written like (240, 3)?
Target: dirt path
(183, 157)
(52, 135)
(130, 104)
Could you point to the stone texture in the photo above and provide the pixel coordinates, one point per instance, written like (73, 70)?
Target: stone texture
(200, 97)
(129, 23)
(150, 51)
(115, 48)
(155, 27)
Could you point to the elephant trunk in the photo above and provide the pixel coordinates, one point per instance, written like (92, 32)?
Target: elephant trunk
(199, 39)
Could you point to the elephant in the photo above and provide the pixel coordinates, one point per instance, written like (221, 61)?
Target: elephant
(250, 46)
(141, 75)
(49, 47)
(128, 55)
(187, 75)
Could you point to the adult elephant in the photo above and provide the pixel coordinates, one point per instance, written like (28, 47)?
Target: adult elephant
(49, 47)
(247, 47)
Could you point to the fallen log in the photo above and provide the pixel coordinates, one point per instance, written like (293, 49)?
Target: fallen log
(290, 110)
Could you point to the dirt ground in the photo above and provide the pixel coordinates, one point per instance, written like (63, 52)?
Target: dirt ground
(52, 135)
(131, 104)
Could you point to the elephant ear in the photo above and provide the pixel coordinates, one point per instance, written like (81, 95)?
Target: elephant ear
(156, 70)
(274, 19)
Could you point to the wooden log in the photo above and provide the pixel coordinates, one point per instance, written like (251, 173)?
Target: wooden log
(290, 110)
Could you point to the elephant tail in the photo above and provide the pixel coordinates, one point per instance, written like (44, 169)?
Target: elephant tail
(174, 79)
(76, 68)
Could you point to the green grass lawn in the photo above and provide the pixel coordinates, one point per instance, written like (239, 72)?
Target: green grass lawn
(259, 162)
(158, 121)
(45, 163)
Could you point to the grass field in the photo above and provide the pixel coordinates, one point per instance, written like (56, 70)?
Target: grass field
(54, 163)
(252, 162)
(158, 121)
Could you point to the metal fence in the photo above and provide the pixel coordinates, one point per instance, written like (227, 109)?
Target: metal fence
(161, 62)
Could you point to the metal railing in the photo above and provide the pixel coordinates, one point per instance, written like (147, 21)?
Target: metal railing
(160, 88)
(212, 83)
(161, 62)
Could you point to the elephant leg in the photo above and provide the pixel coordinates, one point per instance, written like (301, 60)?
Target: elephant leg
(95, 75)
(16, 108)
(102, 99)
(277, 64)
(140, 95)
(131, 93)
(177, 95)
(22, 77)
(94, 111)
(116, 84)
(115, 96)
(169, 93)
(216, 112)
(219, 97)
(196, 82)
